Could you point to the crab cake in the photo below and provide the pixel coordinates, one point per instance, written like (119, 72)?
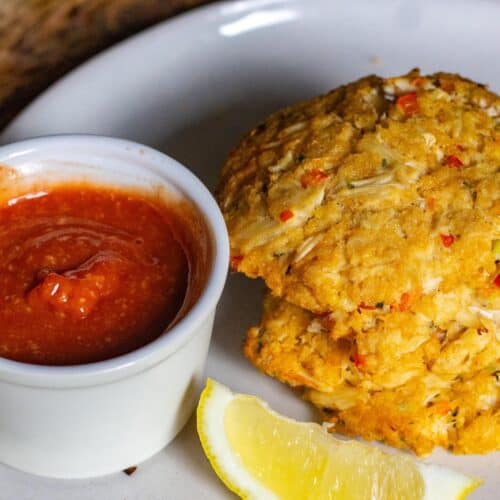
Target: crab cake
(373, 215)
(382, 191)
(394, 376)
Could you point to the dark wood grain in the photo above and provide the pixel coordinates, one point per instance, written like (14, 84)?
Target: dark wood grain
(40, 40)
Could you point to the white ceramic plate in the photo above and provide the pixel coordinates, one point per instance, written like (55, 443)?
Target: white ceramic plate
(190, 87)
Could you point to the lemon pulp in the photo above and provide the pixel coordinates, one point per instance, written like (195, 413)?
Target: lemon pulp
(299, 462)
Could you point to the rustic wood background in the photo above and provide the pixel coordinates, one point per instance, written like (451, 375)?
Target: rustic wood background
(40, 40)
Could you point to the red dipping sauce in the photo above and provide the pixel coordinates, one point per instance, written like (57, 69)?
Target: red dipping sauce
(89, 273)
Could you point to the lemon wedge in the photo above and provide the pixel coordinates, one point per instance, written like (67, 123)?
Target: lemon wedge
(262, 455)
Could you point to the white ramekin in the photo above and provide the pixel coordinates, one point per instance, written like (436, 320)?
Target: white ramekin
(95, 419)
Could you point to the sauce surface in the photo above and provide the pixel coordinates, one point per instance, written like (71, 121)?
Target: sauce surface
(87, 274)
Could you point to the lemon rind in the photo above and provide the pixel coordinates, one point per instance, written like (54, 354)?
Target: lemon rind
(210, 422)
(443, 483)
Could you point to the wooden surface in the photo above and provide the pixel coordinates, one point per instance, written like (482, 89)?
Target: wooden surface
(40, 40)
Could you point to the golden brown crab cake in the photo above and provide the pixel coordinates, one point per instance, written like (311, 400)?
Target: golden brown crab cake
(391, 375)
(382, 190)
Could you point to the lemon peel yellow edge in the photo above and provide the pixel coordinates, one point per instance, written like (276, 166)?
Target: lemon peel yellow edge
(475, 483)
(218, 469)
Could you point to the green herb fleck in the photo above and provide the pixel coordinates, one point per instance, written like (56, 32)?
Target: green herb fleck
(300, 158)
(385, 163)
(379, 305)
(350, 185)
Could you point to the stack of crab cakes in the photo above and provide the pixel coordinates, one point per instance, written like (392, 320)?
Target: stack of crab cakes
(373, 215)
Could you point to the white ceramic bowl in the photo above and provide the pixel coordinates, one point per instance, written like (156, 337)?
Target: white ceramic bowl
(90, 420)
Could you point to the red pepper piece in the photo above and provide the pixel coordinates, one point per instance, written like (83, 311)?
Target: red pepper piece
(286, 215)
(497, 281)
(447, 240)
(359, 360)
(404, 302)
(313, 177)
(453, 161)
(366, 306)
(235, 262)
(408, 103)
